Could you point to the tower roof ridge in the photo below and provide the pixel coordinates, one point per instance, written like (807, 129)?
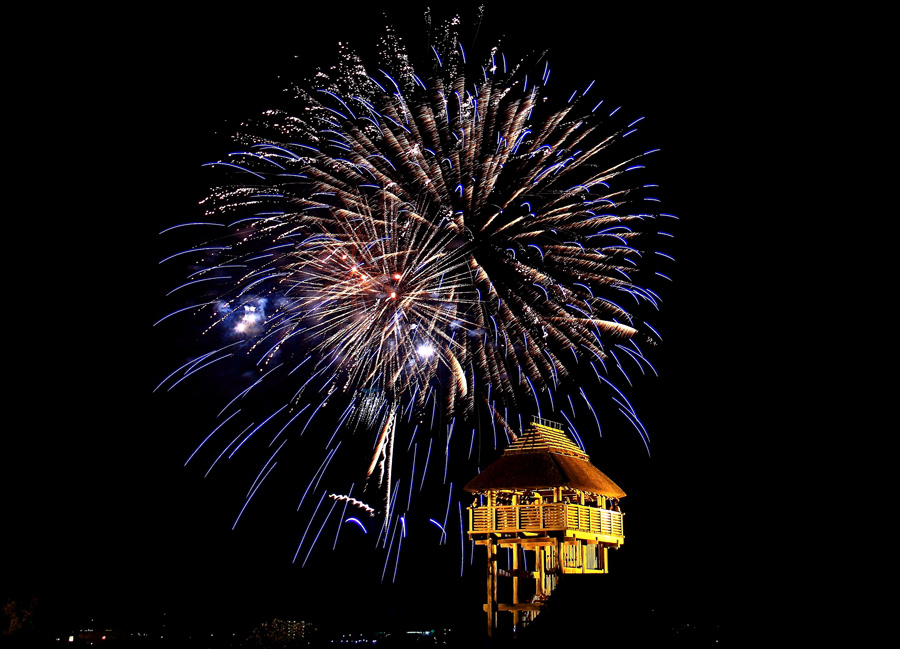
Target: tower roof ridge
(541, 437)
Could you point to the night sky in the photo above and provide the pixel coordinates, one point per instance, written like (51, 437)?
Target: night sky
(101, 519)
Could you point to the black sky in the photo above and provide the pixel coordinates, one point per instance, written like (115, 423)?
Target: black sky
(101, 518)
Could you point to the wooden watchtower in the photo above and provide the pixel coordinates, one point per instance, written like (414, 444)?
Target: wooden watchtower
(542, 510)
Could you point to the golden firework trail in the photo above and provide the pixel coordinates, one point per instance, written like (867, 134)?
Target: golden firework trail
(452, 234)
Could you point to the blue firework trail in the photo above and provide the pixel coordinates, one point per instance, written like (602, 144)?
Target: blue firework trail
(418, 247)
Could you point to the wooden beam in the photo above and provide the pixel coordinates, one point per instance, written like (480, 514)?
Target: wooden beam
(524, 606)
(574, 535)
(530, 541)
(491, 591)
(539, 569)
(515, 587)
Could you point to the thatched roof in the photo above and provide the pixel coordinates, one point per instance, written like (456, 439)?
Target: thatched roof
(544, 457)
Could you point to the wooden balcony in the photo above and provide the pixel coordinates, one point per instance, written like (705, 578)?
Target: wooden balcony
(546, 518)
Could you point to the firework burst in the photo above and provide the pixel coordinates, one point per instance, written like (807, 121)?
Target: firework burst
(417, 243)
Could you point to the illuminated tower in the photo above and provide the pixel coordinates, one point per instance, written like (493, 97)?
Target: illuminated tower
(542, 510)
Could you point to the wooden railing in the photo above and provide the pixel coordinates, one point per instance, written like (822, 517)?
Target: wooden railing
(547, 517)
(548, 423)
